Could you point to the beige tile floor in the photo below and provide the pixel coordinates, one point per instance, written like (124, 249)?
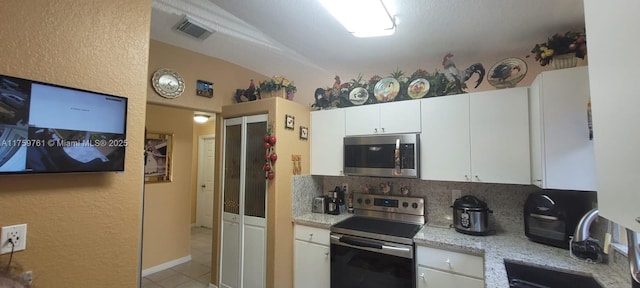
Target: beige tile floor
(193, 274)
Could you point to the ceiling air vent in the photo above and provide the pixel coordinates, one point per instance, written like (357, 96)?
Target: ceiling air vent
(193, 29)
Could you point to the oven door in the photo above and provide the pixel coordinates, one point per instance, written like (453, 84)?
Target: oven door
(365, 263)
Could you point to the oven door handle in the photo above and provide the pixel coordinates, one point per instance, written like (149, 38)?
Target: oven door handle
(369, 244)
(360, 242)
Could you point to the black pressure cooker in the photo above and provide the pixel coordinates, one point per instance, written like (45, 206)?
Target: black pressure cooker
(471, 216)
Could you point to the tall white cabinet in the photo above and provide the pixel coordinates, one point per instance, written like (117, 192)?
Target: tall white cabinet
(615, 101)
(476, 137)
(244, 226)
(326, 140)
(562, 154)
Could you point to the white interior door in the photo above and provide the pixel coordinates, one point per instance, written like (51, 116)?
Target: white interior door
(204, 202)
(230, 260)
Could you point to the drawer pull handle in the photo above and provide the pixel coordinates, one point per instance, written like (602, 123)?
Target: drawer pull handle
(326, 254)
(422, 276)
(638, 219)
(448, 263)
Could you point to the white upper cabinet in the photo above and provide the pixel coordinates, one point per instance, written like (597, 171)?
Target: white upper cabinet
(500, 136)
(386, 118)
(561, 153)
(615, 102)
(326, 139)
(445, 151)
(479, 137)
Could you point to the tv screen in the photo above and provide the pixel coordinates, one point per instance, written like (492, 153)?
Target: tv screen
(46, 128)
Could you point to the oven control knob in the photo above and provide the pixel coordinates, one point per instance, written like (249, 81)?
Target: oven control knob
(359, 200)
(368, 201)
(414, 205)
(405, 204)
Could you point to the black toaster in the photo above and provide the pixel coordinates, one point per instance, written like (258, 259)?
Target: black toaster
(551, 217)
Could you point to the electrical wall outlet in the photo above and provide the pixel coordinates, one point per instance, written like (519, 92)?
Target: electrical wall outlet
(16, 234)
(345, 188)
(455, 194)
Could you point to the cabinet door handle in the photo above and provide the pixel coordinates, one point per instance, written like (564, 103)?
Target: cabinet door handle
(375, 130)
(448, 263)
(326, 254)
(466, 177)
(382, 129)
(422, 276)
(478, 178)
(538, 180)
(638, 219)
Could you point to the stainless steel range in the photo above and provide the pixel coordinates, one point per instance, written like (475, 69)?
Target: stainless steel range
(375, 248)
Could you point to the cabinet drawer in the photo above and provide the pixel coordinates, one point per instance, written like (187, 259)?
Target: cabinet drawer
(312, 234)
(450, 261)
(430, 278)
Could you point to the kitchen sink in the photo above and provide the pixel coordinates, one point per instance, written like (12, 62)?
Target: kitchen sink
(527, 276)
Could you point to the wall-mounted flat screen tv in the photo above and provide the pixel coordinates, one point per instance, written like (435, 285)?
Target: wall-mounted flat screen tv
(46, 128)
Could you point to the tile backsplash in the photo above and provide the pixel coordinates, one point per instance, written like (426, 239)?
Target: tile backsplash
(506, 201)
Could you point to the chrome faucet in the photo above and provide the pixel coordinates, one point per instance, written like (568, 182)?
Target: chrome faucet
(582, 230)
(633, 241)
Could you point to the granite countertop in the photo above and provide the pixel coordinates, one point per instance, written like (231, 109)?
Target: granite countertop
(320, 220)
(496, 248)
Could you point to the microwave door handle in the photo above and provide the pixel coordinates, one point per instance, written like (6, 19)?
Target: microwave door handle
(396, 158)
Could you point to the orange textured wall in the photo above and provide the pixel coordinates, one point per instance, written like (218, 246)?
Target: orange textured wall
(83, 229)
(192, 66)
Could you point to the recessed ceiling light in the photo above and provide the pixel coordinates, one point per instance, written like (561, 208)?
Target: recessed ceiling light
(363, 18)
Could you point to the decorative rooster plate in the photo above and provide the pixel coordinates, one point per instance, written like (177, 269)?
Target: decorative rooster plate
(507, 73)
(418, 88)
(358, 96)
(386, 89)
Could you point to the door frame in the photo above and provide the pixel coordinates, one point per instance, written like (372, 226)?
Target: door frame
(200, 176)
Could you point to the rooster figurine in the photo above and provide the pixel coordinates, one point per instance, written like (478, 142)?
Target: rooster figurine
(459, 77)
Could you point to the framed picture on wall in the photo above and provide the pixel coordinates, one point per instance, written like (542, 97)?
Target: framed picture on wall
(158, 148)
(204, 88)
(304, 133)
(289, 122)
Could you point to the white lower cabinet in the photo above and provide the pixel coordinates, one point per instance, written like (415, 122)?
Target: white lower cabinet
(431, 278)
(438, 268)
(311, 257)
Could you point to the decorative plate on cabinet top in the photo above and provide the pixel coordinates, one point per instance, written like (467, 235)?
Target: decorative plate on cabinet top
(358, 96)
(386, 89)
(418, 88)
(507, 73)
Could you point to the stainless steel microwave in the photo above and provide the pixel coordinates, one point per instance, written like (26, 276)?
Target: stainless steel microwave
(390, 155)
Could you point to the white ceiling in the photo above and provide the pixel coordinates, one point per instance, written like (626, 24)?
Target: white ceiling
(298, 37)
